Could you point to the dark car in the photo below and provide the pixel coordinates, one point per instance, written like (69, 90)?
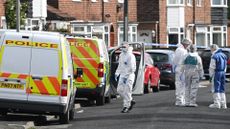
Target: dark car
(163, 59)
(206, 57)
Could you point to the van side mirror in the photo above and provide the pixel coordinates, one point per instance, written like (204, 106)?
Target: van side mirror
(78, 72)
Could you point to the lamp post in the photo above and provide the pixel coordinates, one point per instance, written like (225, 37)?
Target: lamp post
(18, 15)
(125, 28)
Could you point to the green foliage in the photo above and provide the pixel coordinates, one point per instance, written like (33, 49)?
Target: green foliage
(10, 13)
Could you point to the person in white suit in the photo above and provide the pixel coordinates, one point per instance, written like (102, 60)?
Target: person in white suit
(126, 73)
(180, 52)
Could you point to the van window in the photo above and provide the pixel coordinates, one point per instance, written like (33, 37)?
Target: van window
(16, 60)
(44, 62)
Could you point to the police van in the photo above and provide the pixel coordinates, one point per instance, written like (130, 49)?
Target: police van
(36, 74)
(91, 60)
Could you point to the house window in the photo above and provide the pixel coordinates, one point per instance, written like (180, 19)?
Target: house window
(175, 35)
(175, 2)
(219, 35)
(93, 1)
(132, 34)
(120, 1)
(79, 29)
(189, 2)
(219, 2)
(200, 38)
(198, 3)
(77, 0)
(3, 22)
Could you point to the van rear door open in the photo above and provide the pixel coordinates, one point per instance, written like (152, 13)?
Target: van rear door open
(14, 66)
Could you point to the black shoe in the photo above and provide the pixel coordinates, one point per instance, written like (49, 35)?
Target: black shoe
(132, 104)
(125, 110)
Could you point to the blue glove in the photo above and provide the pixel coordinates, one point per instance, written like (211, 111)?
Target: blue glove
(116, 77)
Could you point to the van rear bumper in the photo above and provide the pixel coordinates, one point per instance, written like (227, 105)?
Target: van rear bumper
(89, 93)
(31, 107)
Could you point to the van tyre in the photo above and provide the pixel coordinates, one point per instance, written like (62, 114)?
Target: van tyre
(100, 100)
(72, 112)
(108, 98)
(64, 117)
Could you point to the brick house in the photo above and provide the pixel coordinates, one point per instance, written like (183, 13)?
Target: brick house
(2, 15)
(169, 21)
(100, 18)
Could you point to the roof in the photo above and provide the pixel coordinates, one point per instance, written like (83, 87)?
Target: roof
(56, 14)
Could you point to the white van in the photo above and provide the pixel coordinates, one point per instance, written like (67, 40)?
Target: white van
(36, 74)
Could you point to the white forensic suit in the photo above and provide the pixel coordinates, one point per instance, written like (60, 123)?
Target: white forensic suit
(179, 76)
(193, 71)
(126, 69)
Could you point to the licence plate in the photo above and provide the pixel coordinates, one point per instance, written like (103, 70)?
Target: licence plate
(11, 85)
(82, 84)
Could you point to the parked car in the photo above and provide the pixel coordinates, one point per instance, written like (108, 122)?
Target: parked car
(152, 75)
(206, 57)
(163, 59)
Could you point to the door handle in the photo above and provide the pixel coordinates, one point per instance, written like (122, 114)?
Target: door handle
(36, 78)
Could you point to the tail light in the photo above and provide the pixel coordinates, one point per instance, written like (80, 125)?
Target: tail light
(228, 62)
(100, 70)
(64, 87)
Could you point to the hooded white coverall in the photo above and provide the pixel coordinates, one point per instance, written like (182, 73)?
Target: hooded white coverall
(193, 73)
(126, 69)
(179, 76)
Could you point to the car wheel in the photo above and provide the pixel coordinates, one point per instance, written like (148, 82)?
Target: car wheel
(147, 88)
(157, 88)
(64, 117)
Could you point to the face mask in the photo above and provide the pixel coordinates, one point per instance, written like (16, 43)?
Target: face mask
(124, 49)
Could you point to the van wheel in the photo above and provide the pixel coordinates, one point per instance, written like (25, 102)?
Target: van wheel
(72, 112)
(147, 88)
(64, 117)
(100, 100)
(108, 98)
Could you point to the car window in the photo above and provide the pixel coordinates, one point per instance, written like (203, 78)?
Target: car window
(138, 57)
(148, 59)
(206, 54)
(159, 57)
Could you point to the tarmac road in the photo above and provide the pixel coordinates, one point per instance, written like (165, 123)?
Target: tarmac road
(152, 111)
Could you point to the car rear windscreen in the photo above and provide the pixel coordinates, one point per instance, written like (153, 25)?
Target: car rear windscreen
(159, 57)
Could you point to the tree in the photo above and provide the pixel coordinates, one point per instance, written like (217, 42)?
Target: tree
(10, 13)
